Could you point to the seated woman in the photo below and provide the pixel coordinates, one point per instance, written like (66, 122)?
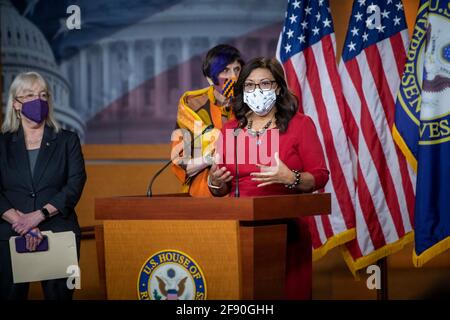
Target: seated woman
(279, 152)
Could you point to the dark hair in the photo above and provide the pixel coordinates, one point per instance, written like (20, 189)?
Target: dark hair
(218, 58)
(286, 102)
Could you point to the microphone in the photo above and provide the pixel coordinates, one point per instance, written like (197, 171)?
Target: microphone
(149, 189)
(236, 134)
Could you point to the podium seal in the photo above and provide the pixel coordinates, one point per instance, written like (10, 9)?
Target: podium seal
(171, 275)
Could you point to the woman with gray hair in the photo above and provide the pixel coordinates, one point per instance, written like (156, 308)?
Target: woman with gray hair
(42, 176)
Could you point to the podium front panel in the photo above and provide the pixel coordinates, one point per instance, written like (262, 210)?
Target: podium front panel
(213, 245)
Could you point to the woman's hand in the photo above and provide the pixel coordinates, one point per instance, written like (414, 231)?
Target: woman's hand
(33, 239)
(279, 173)
(11, 216)
(219, 177)
(26, 222)
(196, 165)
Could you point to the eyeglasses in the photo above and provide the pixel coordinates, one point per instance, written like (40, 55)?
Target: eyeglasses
(264, 85)
(44, 95)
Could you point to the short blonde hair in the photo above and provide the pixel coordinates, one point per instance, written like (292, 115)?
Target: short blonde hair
(22, 82)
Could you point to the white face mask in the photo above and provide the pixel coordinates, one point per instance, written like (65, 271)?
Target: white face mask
(261, 102)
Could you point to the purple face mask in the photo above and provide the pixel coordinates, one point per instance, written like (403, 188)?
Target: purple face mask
(36, 110)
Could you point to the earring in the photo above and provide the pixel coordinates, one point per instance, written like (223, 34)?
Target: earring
(18, 114)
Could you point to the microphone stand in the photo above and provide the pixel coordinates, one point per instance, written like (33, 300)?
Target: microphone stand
(236, 134)
(149, 189)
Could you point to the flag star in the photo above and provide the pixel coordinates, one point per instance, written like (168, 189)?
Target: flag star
(369, 22)
(321, 2)
(358, 16)
(316, 31)
(329, 10)
(362, 3)
(293, 18)
(287, 48)
(304, 25)
(389, 1)
(372, 7)
(396, 20)
(380, 28)
(308, 10)
(318, 16)
(399, 6)
(285, 15)
(354, 31)
(326, 23)
(296, 4)
(351, 46)
(290, 33)
(301, 39)
(385, 14)
(365, 36)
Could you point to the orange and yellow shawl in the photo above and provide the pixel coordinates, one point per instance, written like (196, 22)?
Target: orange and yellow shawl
(190, 111)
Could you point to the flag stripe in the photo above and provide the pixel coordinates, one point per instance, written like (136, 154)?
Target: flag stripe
(388, 63)
(408, 189)
(369, 213)
(315, 237)
(372, 61)
(307, 52)
(376, 152)
(327, 226)
(320, 230)
(399, 50)
(351, 107)
(299, 66)
(375, 64)
(337, 178)
(397, 166)
(393, 55)
(322, 223)
(336, 108)
(368, 167)
(331, 106)
(294, 83)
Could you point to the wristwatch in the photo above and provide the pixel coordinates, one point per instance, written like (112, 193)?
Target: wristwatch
(45, 213)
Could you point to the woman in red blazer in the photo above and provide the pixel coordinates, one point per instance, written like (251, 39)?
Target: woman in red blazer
(279, 153)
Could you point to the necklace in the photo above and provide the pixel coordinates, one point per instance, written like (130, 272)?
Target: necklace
(258, 133)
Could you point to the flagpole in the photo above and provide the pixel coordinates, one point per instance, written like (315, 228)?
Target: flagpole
(382, 293)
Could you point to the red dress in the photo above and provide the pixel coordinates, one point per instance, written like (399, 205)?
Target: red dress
(299, 148)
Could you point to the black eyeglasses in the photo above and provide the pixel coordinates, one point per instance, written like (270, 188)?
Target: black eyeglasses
(264, 85)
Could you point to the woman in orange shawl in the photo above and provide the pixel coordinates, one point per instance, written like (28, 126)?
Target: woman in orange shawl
(202, 109)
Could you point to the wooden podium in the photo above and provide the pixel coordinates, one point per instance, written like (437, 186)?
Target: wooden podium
(238, 243)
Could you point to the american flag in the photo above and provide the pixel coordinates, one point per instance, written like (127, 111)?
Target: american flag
(373, 59)
(307, 51)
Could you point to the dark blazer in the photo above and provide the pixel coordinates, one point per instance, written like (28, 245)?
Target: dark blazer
(59, 178)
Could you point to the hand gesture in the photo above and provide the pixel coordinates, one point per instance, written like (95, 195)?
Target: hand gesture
(219, 176)
(279, 173)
